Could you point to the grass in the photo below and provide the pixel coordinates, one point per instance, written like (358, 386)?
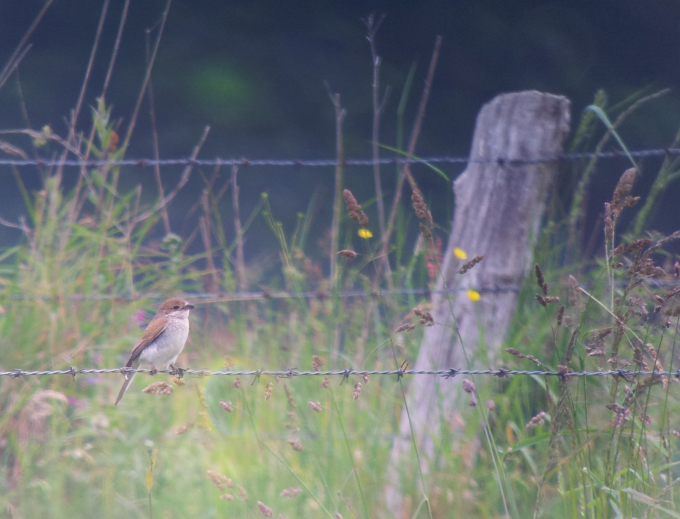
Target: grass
(90, 269)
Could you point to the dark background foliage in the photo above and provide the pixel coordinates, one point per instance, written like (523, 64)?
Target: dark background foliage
(254, 72)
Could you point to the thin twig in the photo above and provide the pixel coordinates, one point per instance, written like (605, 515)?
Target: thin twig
(372, 25)
(337, 196)
(154, 132)
(20, 51)
(147, 75)
(415, 132)
(183, 180)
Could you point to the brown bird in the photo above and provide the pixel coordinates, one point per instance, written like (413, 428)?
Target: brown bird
(162, 341)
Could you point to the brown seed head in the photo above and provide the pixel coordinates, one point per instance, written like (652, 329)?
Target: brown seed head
(467, 266)
(295, 444)
(315, 406)
(357, 391)
(227, 406)
(325, 383)
(265, 510)
(291, 492)
(317, 363)
(184, 428)
(158, 388)
(468, 386)
(220, 480)
(347, 253)
(537, 420)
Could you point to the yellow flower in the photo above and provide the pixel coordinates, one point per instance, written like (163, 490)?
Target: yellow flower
(473, 295)
(365, 234)
(459, 253)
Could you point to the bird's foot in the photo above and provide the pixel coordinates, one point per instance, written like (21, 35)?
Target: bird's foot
(175, 371)
(153, 371)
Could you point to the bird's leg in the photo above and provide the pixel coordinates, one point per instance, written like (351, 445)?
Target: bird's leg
(153, 370)
(179, 372)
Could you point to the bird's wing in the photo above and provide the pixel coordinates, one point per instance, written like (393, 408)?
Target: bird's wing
(155, 328)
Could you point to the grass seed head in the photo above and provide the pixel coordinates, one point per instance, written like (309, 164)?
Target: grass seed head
(227, 406)
(295, 444)
(357, 391)
(536, 421)
(467, 266)
(469, 386)
(325, 383)
(291, 492)
(315, 406)
(265, 510)
(220, 480)
(317, 363)
(158, 388)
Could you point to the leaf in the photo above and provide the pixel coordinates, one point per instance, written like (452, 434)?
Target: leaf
(605, 120)
(414, 157)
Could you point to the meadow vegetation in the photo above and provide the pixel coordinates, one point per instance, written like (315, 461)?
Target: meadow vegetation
(94, 261)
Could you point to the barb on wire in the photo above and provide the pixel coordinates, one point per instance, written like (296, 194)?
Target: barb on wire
(346, 373)
(186, 161)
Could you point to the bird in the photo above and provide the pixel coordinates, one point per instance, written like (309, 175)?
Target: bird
(162, 341)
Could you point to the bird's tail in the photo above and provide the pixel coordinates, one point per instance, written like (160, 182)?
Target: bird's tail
(126, 384)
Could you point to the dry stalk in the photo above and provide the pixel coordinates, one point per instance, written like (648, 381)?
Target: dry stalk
(240, 262)
(337, 196)
(406, 173)
(372, 26)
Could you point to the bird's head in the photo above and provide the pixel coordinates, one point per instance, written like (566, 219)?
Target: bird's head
(175, 307)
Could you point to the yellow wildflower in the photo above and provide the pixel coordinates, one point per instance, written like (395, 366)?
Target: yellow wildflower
(473, 295)
(365, 234)
(459, 253)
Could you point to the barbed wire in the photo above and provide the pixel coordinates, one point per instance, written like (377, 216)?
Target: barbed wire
(346, 373)
(322, 295)
(186, 161)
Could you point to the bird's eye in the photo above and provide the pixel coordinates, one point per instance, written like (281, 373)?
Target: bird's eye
(176, 307)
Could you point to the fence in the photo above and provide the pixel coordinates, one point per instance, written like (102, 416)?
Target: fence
(186, 161)
(346, 373)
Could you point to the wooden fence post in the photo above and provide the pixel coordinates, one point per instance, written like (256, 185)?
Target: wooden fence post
(498, 210)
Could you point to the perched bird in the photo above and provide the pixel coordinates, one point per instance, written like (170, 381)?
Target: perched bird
(162, 341)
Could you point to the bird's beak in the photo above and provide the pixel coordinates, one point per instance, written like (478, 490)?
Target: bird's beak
(189, 306)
